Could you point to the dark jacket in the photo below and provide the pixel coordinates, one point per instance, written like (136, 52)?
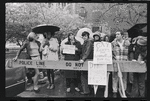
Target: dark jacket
(26, 46)
(73, 57)
(77, 54)
(87, 50)
(135, 50)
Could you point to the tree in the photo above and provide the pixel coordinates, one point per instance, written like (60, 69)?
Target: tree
(21, 17)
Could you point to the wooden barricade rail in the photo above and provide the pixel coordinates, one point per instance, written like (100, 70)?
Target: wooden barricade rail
(125, 66)
(117, 66)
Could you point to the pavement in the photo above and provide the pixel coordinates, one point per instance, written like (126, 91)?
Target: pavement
(58, 91)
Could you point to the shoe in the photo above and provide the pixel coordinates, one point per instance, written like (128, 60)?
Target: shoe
(48, 87)
(127, 94)
(77, 89)
(36, 90)
(52, 86)
(68, 90)
(83, 93)
(114, 95)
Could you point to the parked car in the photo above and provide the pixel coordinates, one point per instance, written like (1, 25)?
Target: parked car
(15, 82)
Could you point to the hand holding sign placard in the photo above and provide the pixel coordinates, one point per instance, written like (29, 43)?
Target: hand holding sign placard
(97, 70)
(102, 53)
(69, 49)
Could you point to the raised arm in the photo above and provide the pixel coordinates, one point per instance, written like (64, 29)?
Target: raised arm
(20, 50)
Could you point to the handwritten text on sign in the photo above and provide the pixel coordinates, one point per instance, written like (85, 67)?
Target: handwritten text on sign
(97, 74)
(69, 49)
(102, 53)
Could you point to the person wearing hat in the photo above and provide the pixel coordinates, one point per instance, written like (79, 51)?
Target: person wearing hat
(139, 54)
(87, 53)
(32, 47)
(97, 36)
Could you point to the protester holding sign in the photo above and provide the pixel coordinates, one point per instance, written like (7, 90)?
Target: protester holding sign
(32, 47)
(120, 52)
(50, 49)
(87, 53)
(72, 76)
(102, 88)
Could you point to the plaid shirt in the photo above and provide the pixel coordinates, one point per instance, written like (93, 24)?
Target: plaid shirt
(118, 53)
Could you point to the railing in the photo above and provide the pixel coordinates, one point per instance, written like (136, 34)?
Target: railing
(117, 66)
(125, 66)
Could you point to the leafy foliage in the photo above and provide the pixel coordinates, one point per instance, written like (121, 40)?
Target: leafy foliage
(21, 17)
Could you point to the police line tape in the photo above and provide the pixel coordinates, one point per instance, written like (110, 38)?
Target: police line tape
(125, 66)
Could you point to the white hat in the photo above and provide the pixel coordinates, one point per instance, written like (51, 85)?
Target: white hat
(97, 33)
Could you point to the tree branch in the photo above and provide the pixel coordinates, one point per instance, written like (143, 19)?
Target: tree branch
(42, 12)
(109, 9)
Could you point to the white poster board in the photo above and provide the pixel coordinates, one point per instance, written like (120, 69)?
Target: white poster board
(69, 49)
(97, 74)
(102, 53)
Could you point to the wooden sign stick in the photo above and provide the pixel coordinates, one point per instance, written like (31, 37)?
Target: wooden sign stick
(121, 81)
(106, 88)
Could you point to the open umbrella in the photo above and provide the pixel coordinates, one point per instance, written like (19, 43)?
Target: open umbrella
(136, 30)
(45, 28)
(144, 29)
(77, 38)
(79, 33)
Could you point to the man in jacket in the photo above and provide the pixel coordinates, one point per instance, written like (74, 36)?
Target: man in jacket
(87, 53)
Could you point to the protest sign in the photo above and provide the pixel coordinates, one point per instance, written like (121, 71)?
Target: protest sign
(69, 49)
(102, 53)
(97, 74)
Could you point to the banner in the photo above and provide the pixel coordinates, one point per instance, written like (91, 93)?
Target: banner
(102, 53)
(69, 49)
(97, 74)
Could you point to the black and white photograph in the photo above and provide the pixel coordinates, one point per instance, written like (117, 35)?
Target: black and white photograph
(80, 50)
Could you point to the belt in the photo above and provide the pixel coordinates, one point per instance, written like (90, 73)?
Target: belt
(35, 56)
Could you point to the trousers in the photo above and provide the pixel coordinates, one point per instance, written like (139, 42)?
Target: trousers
(84, 82)
(115, 81)
(138, 88)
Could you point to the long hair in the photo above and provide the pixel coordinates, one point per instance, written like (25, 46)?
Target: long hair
(104, 39)
(70, 33)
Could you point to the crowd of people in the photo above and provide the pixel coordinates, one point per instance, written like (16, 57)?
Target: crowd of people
(123, 48)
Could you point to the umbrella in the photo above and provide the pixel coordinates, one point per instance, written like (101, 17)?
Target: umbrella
(45, 28)
(79, 33)
(76, 37)
(136, 30)
(144, 29)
